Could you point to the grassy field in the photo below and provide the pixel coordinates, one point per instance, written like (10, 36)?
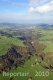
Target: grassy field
(47, 40)
(6, 43)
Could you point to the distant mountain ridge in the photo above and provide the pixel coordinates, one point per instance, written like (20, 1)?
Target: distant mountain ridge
(46, 26)
(15, 25)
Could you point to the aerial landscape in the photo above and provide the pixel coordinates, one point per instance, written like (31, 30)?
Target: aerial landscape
(26, 40)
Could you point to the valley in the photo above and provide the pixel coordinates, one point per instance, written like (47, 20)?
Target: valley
(26, 50)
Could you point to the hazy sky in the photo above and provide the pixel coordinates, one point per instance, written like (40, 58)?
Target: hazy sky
(26, 11)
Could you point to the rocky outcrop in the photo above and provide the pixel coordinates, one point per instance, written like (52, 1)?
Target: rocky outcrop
(15, 56)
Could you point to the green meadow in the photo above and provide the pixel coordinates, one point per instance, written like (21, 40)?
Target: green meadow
(6, 43)
(47, 40)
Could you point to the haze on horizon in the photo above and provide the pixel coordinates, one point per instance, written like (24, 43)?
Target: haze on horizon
(26, 11)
